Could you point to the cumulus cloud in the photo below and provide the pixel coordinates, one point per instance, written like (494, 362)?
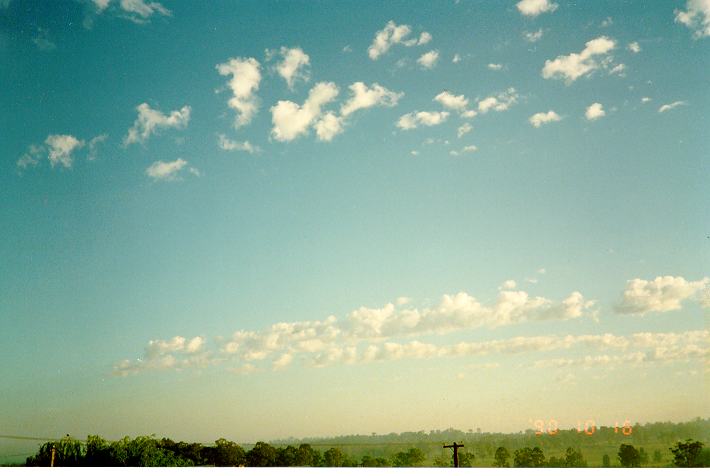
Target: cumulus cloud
(452, 101)
(500, 102)
(533, 8)
(244, 83)
(175, 353)
(293, 66)
(94, 146)
(469, 149)
(594, 111)
(415, 119)
(429, 59)
(673, 105)
(291, 120)
(663, 294)
(696, 16)
(166, 171)
(231, 145)
(150, 121)
(456, 58)
(61, 147)
(32, 157)
(364, 97)
(576, 65)
(393, 34)
(495, 66)
(138, 11)
(540, 118)
(634, 47)
(533, 36)
(463, 129)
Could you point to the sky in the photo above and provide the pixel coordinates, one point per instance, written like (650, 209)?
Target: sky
(265, 219)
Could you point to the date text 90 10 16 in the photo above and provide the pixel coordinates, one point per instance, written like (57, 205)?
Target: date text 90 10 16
(551, 427)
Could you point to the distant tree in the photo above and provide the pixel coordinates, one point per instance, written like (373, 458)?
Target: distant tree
(643, 457)
(466, 459)
(686, 454)
(410, 458)
(286, 457)
(228, 453)
(657, 456)
(501, 458)
(704, 458)
(555, 462)
(335, 458)
(261, 455)
(307, 456)
(529, 458)
(574, 459)
(606, 462)
(629, 457)
(370, 462)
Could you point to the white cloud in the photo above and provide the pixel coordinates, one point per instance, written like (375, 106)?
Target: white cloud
(328, 126)
(291, 120)
(500, 102)
(607, 22)
(165, 171)
(42, 40)
(175, 353)
(645, 99)
(101, 5)
(141, 9)
(230, 145)
(469, 149)
(363, 97)
(424, 38)
(451, 101)
(575, 65)
(393, 34)
(31, 157)
(429, 59)
(294, 65)
(696, 16)
(540, 118)
(456, 58)
(634, 47)
(245, 78)
(619, 69)
(94, 145)
(149, 121)
(464, 129)
(533, 8)
(664, 293)
(61, 147)
(673, 105)
(495, 66)
(533, 36)
(421, 118)
(594, 111)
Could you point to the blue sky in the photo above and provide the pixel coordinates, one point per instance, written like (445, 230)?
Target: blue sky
(501, 201)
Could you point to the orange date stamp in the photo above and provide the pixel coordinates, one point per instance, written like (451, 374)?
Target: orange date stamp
(588, 427)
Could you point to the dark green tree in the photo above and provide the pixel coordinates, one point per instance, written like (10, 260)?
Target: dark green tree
(686, 454)
(501, 458)
(407, 459)
(98, 452)
(335, 458)
(629, 457)
(574, 459)
(228, 453)
(261, 455)
(286, 457)
(643, 457)
(606, 462)
(657, 456)
(68, 452)
(529, 458)
(307, 456)
(370, 462)
(466, 459)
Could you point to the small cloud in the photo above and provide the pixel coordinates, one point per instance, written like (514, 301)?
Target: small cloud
(495, 66)
(165, 171)
(32, 157)
(645, 99)
(424, 38)
(291, 120)
(347, 49)
(673, 105)
(540, 118)
(469, 149)
(464, 129)
(619, 69)
(393, 34)
(607, 22)
(500, 102)
(428, 60)
(150, 121)
(414, 152)
(696, 17)
(244, 82)
(594, 112)
(575, 65)
(456, 58)
(451, 101)
(421, 118)
(293, 66)
(533, 36)
(533, 8)
(94, 145)
(634, 47)
(230, 145)
(61, 148)
(42, 40)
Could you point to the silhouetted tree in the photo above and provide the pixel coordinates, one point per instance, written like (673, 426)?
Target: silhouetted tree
(261, 455)
(529, 458)
(68, 452)
(228, 453)
(335, 458)
(574, 459)
(307, 456)
(410, 458)
(466, 459)
(501, 458)
(629, 457)
(686, 454)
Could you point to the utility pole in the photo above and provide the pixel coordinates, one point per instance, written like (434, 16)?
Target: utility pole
(54, 452)
(456, 447)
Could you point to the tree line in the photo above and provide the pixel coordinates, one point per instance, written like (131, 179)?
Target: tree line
(151, 451)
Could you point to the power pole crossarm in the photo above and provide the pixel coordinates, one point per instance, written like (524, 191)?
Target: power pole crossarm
(455, 447)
